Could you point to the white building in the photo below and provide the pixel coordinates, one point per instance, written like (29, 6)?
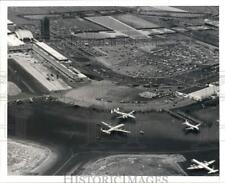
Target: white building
(204, 93)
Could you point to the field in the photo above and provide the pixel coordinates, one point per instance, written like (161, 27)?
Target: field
(135, 21)
(13, 89)
(136, 165)
(74, 25)
(207, 36)
(116, 25)
(163, 8)
(200, 9)
(158, 31)
(173, 22)
(24, 157)
(100, 35)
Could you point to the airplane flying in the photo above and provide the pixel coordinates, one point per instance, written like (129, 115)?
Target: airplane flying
(202, 165)
(113, 128)
(191, 126)
(123, 114)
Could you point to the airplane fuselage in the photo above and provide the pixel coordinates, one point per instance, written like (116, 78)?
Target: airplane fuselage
(203, 165)
(123, 114)
(191, 126)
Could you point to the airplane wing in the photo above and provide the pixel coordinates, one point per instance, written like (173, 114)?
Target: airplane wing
(131, 112)
(201, 165)
(124, 131)
(109, 126)
(209, 162)
(122, 116)
(195, 167)
(189, 128)
(115, 128)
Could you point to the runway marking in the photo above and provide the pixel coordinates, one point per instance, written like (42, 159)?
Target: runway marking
(64, 164)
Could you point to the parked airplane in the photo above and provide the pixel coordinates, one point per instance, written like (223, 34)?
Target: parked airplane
(191, 126)
(202, 165)
(113, 128)
(123, 114)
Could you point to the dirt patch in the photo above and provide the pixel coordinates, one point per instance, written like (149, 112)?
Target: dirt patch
(25, 157)
(13, 89)
(137, 165)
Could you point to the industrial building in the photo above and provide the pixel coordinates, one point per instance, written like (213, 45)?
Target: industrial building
(21, 41)
(18, 37)
(55, 59)
(45, 32)
(24, 35)
(204, 93)
(12, 40)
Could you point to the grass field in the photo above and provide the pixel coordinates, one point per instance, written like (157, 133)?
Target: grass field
(76, 25)
(200, 9)
(13, 89)
(99, 35)
(163, 8)
(116, 25)
(135, 21)
(136, 165)
(24, 156)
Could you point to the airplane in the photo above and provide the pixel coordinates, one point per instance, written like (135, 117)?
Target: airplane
(191, 126)
(202, 165)
(113, 128)
(123, 114)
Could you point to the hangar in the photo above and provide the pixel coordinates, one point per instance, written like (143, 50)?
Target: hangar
(24, 35)
(205, 92)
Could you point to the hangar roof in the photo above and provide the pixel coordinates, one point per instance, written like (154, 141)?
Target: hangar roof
(24, 34)
(12, 40)
(51, 51)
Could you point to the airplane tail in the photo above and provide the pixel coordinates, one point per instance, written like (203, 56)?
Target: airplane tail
(212, 171)
(132, 112)
(185, 123)
(113, 110)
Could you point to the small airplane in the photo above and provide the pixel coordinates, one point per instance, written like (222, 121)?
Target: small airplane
(202, 165)
(113, 128)
(123, 114)
(191, 126)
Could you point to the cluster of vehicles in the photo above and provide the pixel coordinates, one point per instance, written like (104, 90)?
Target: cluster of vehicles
(197, 165)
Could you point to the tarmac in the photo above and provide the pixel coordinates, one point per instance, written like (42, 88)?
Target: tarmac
(76, 130)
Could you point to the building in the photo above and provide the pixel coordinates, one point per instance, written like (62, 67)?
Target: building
(204, 93)
(55, 59)
(12, 40)
(24, 35)
(214, 23)
(45, 32)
